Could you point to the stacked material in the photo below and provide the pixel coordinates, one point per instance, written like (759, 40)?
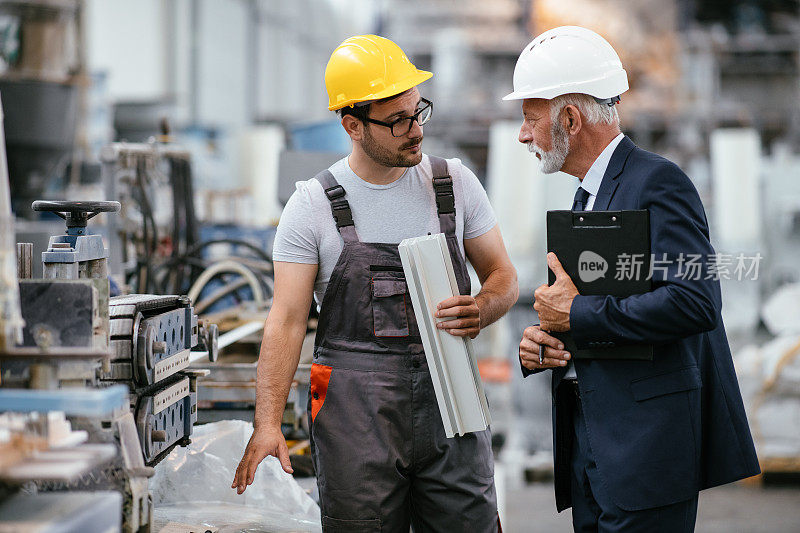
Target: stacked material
(770, 379)
(454, 369)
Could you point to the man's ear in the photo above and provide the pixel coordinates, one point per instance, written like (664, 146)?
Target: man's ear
(572, 120)
(353, 127)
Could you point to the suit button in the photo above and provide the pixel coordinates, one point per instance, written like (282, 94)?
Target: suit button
(315, 396)
(415, 363)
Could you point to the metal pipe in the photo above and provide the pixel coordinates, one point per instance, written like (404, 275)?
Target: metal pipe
(253, 56)
(116, 244)
(194, 62)
(230, 337)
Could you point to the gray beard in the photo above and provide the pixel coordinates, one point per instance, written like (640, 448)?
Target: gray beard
(553, 160)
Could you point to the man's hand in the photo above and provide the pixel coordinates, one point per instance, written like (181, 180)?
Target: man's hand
(262, 443)
(554, 302)
(468, 317)
(532, 339)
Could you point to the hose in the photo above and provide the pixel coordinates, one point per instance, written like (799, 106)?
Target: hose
(212, 298)
(227, 266)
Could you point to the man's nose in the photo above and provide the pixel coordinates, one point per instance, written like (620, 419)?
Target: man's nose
(415, 131)
(524, 134)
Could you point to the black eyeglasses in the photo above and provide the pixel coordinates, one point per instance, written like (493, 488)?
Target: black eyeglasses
(402, 125)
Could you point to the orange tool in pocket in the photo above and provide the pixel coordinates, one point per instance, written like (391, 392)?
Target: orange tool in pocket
(320, 376)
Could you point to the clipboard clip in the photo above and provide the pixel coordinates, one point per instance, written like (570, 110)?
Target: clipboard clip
(589, 219)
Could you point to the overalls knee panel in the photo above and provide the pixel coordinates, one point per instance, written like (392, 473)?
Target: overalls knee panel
(378, 446)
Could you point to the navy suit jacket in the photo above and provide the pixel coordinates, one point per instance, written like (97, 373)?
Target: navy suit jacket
(659, 430)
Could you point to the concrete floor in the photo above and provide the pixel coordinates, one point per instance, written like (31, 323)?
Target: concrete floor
(727, 509)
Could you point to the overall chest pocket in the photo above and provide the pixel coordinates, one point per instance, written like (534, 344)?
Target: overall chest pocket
(389, 305)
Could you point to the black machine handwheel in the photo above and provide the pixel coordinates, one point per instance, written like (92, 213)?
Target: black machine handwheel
(75, 213)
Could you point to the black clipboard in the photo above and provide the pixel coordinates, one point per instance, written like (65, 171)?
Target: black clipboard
(604, 253)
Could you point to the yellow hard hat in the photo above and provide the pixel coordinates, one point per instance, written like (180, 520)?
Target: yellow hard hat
(368, 67)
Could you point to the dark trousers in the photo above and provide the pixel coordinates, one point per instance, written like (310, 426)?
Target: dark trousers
(382, 460)
(592, 507)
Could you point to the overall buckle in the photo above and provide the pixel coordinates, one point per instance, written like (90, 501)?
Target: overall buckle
(342, 213)
(445, 200)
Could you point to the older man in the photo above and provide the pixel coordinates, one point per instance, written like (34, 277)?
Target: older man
(634, 440)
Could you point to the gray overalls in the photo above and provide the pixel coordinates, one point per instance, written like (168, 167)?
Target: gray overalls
(377, 440)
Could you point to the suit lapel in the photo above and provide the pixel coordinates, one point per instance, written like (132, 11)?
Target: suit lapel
(611, 178)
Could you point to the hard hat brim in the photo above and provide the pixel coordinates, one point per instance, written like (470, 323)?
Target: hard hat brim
(392, 90)
(607, 87)
(546, 94)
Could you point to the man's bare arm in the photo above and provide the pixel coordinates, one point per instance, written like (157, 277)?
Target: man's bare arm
(499, 287)
(284, 332)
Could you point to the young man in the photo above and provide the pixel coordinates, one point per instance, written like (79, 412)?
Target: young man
(378, 444)
(635, 441)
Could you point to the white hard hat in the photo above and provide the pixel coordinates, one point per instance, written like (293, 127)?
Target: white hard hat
(569, 59)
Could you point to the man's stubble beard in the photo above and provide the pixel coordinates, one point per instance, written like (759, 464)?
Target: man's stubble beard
(381, 155)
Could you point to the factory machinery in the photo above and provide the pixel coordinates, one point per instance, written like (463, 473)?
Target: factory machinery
(117, 367)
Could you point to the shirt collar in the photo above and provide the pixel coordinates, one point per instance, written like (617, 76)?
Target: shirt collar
(594, 177)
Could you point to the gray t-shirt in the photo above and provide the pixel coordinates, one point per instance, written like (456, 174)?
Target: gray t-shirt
(389, 213)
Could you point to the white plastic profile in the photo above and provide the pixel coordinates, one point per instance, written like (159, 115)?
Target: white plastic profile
(451, 361)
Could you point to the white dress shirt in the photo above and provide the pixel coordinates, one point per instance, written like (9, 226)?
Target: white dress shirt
(591, 184)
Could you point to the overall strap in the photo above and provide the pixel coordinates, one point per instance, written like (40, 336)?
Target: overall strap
(340, 208)
(445, 200)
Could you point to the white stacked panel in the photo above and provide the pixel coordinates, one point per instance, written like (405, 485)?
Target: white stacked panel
(736, 171)
(737, 220)
(454, 370)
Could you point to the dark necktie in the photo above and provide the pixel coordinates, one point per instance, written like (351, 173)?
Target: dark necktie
(581, 197)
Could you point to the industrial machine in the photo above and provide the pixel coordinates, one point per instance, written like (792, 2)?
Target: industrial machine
(116, 366)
